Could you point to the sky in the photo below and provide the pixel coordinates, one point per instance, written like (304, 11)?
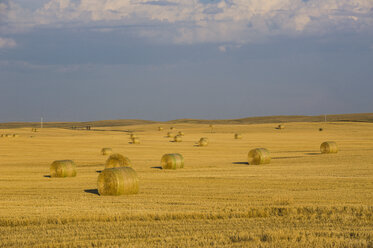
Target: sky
(83, 60)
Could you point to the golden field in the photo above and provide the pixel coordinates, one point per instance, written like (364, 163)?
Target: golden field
(300, 199)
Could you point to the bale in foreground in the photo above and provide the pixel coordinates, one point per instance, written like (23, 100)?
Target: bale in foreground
(106, 151)
(172, 161)
(63, 168)
(329, 147)
(259, 156)
(118, 181)
(117, 160)
(203, 141)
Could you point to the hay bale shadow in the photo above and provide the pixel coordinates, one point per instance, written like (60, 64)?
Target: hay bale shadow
(157, 167)
(92, 191)
(48, 176)
(313, 153)
(98, 171)
(246, 163)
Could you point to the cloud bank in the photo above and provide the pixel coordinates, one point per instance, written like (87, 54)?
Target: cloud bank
(195, 21)
(7, 43)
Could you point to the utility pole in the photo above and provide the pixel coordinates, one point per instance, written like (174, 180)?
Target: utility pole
(324, 117)
(41, 122)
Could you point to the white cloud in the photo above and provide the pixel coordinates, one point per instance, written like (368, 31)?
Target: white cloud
(7, 43)
(191, 21)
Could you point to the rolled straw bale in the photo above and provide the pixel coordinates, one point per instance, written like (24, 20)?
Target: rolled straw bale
(34, 130)
(117, 160)
(169, 134)
(8, 135)
(15, 135)
(329, 147)
(106, 151)
(280, 126)
(259, 156)
(63, 168)
(3, 135)
(180, 133)
(172, 161)
(172, 128)
(203, 141)
(135, 140)
(160, 128)
(178, 138)
(132, 135)
(237, 136)
(118, 181)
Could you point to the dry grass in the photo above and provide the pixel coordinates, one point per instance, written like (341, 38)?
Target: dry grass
(301, 199)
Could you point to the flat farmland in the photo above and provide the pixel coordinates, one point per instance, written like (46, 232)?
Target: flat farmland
(302, 198)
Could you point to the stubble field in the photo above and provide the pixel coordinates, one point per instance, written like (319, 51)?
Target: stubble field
(302, 198)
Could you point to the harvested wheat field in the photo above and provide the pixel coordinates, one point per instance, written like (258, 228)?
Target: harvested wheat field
(302, 198)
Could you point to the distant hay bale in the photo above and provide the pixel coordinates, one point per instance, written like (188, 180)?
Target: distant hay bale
(135, 140)
(329, 147)
(237, 136)
(281, 126)
(178, 138)
(15, 135)
(203, 141)
(106, 151)
(181, 133)
(132, 135)
(118, 181)
(321, 129)
(172, 128)
(259, 156)
(8, 135)
(63, 168)
(169, 134)
(117, 160)
(160, 128)
(34, 130)
(2, 135)
(172, 161)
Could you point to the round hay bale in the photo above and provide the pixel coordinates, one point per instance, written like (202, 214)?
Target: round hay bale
(132, 135)
(329, 147)
(63, 168)
(281, 126)
(34, 130)
(169, 134)
(118, 181)
(172, 128)
(180, 133)
(237, 136)
(203, 141)
(160, 128)
(259, 156)
(117, 160)
(178, 138)
(15, 135)
(135, 140)
(172, 161)
(106, 151)
(8, 135)
(3, 135)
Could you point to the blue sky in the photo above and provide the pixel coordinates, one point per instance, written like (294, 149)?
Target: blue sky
(79, 60)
